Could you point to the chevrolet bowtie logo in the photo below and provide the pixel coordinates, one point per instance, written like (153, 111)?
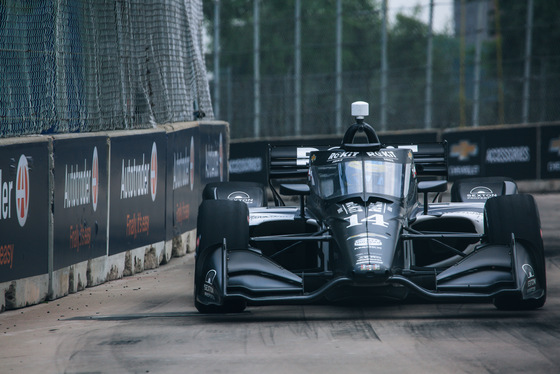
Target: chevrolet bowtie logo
(463, 150)
(554, 146)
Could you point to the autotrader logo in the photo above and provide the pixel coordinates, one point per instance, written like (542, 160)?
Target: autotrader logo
(22, 190)
(140, 179)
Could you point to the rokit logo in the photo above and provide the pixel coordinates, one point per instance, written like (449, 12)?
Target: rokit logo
(82, 185)
(22, 186)
(338, 156)
(141, 179)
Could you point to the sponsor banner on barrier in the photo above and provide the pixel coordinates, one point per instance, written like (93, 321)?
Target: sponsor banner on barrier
(465, 154)
(183, 181)
(510, 152)
(80, 199)
(24, 210)
(550, 152)
(137, 209)
(213, 153)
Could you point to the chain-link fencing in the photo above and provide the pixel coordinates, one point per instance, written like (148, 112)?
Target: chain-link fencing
(79, 66)
(465, 90)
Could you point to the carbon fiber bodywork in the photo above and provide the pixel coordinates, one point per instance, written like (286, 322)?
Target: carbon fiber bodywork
(359, 231)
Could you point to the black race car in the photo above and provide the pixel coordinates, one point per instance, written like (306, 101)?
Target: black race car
(357, 230)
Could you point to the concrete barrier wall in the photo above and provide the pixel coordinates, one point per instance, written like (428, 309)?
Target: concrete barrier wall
(77, 210)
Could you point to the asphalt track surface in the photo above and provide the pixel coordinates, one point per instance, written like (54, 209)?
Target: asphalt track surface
(147, 324)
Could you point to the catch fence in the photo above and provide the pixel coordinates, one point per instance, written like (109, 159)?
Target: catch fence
(81, 66)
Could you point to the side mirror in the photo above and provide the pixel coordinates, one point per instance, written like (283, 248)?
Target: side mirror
(431, 186)
(294, 189)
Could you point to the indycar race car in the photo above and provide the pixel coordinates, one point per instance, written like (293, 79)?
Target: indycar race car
(357, 230)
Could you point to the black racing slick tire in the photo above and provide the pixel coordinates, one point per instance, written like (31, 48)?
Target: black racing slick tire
(517, 214)
(219, 220)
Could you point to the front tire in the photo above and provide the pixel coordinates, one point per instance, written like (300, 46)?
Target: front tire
(517, 214)
(219, 220)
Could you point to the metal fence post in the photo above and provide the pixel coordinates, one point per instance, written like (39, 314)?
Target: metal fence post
(383, 108)
(527, 70)
(256, 68)
(297, 69)
(217, 87)
(428, 102)
(338, 93)
(478, 51)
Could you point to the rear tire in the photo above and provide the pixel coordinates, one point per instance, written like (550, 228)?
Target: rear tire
(219, 220)
(517, 214)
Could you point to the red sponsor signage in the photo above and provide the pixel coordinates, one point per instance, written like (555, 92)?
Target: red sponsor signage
(80, 199)
(137, 211)
(24, 207)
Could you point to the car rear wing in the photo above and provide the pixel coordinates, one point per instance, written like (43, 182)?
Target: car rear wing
(291, 162)
(430, 159)
(288, 163)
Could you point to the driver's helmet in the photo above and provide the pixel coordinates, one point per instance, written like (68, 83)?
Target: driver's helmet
(371, 181)
(354, 179)
(374, 174)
